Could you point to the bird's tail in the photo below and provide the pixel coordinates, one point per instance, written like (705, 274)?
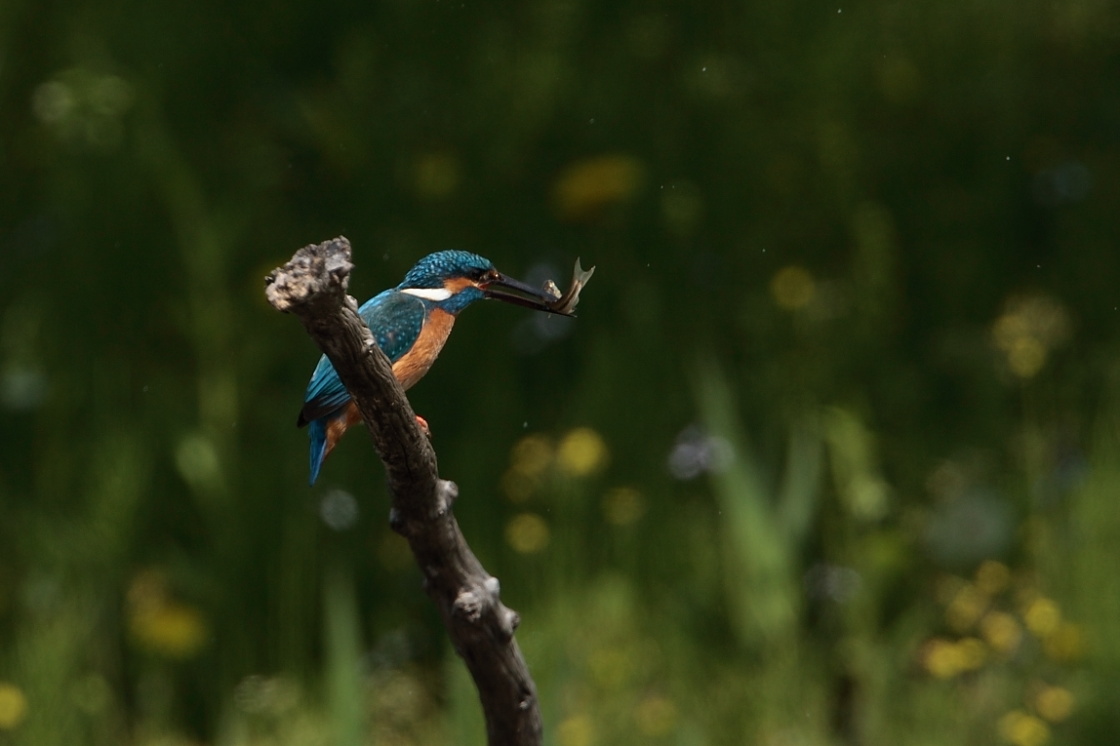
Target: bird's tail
(325, 432)
(317, 429)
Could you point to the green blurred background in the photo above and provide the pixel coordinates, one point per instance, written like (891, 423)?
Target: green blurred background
(830, 456)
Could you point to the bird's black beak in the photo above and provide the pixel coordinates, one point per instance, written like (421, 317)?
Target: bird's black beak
(518, 293)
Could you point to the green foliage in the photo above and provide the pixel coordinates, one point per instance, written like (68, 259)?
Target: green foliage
(828, 457)
(343, 664)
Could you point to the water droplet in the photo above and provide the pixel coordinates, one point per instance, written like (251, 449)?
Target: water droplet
(697, 452)
(22, 389)
(339, 510)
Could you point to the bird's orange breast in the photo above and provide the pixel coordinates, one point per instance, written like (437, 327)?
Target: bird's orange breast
(411, 366)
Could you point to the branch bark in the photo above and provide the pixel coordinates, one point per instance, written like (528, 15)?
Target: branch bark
(313, 287)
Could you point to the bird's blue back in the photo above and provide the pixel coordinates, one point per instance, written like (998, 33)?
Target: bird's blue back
(395, 318)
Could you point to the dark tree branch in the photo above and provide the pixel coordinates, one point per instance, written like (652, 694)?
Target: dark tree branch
(313, 287)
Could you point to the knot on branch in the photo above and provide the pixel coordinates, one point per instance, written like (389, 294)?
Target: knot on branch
(475, 604)
(409, 522)
(315, 271)
(469, 605)
(397, 522)
(448, 493)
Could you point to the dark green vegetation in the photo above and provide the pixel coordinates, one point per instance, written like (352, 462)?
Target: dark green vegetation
(830, 456)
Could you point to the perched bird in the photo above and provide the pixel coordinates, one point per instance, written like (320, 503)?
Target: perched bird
(411, 323)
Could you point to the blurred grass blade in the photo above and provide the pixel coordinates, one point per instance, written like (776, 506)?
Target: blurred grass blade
(464, 716)
(343, 676)
(762, 581)
(1096, 521)
(863, 492)
(798, 498)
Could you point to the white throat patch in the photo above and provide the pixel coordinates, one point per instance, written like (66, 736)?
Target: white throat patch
(429, 293)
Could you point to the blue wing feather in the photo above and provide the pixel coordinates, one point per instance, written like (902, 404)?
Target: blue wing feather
(318, 431)
(395, 318)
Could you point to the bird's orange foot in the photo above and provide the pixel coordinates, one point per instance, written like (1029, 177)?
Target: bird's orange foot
(424, 426)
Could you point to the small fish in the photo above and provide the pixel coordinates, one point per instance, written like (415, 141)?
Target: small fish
(565, 304)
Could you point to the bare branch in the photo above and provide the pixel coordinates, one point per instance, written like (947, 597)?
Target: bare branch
(313, 287)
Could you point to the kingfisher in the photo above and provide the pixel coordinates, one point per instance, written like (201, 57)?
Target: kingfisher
(411, 323)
